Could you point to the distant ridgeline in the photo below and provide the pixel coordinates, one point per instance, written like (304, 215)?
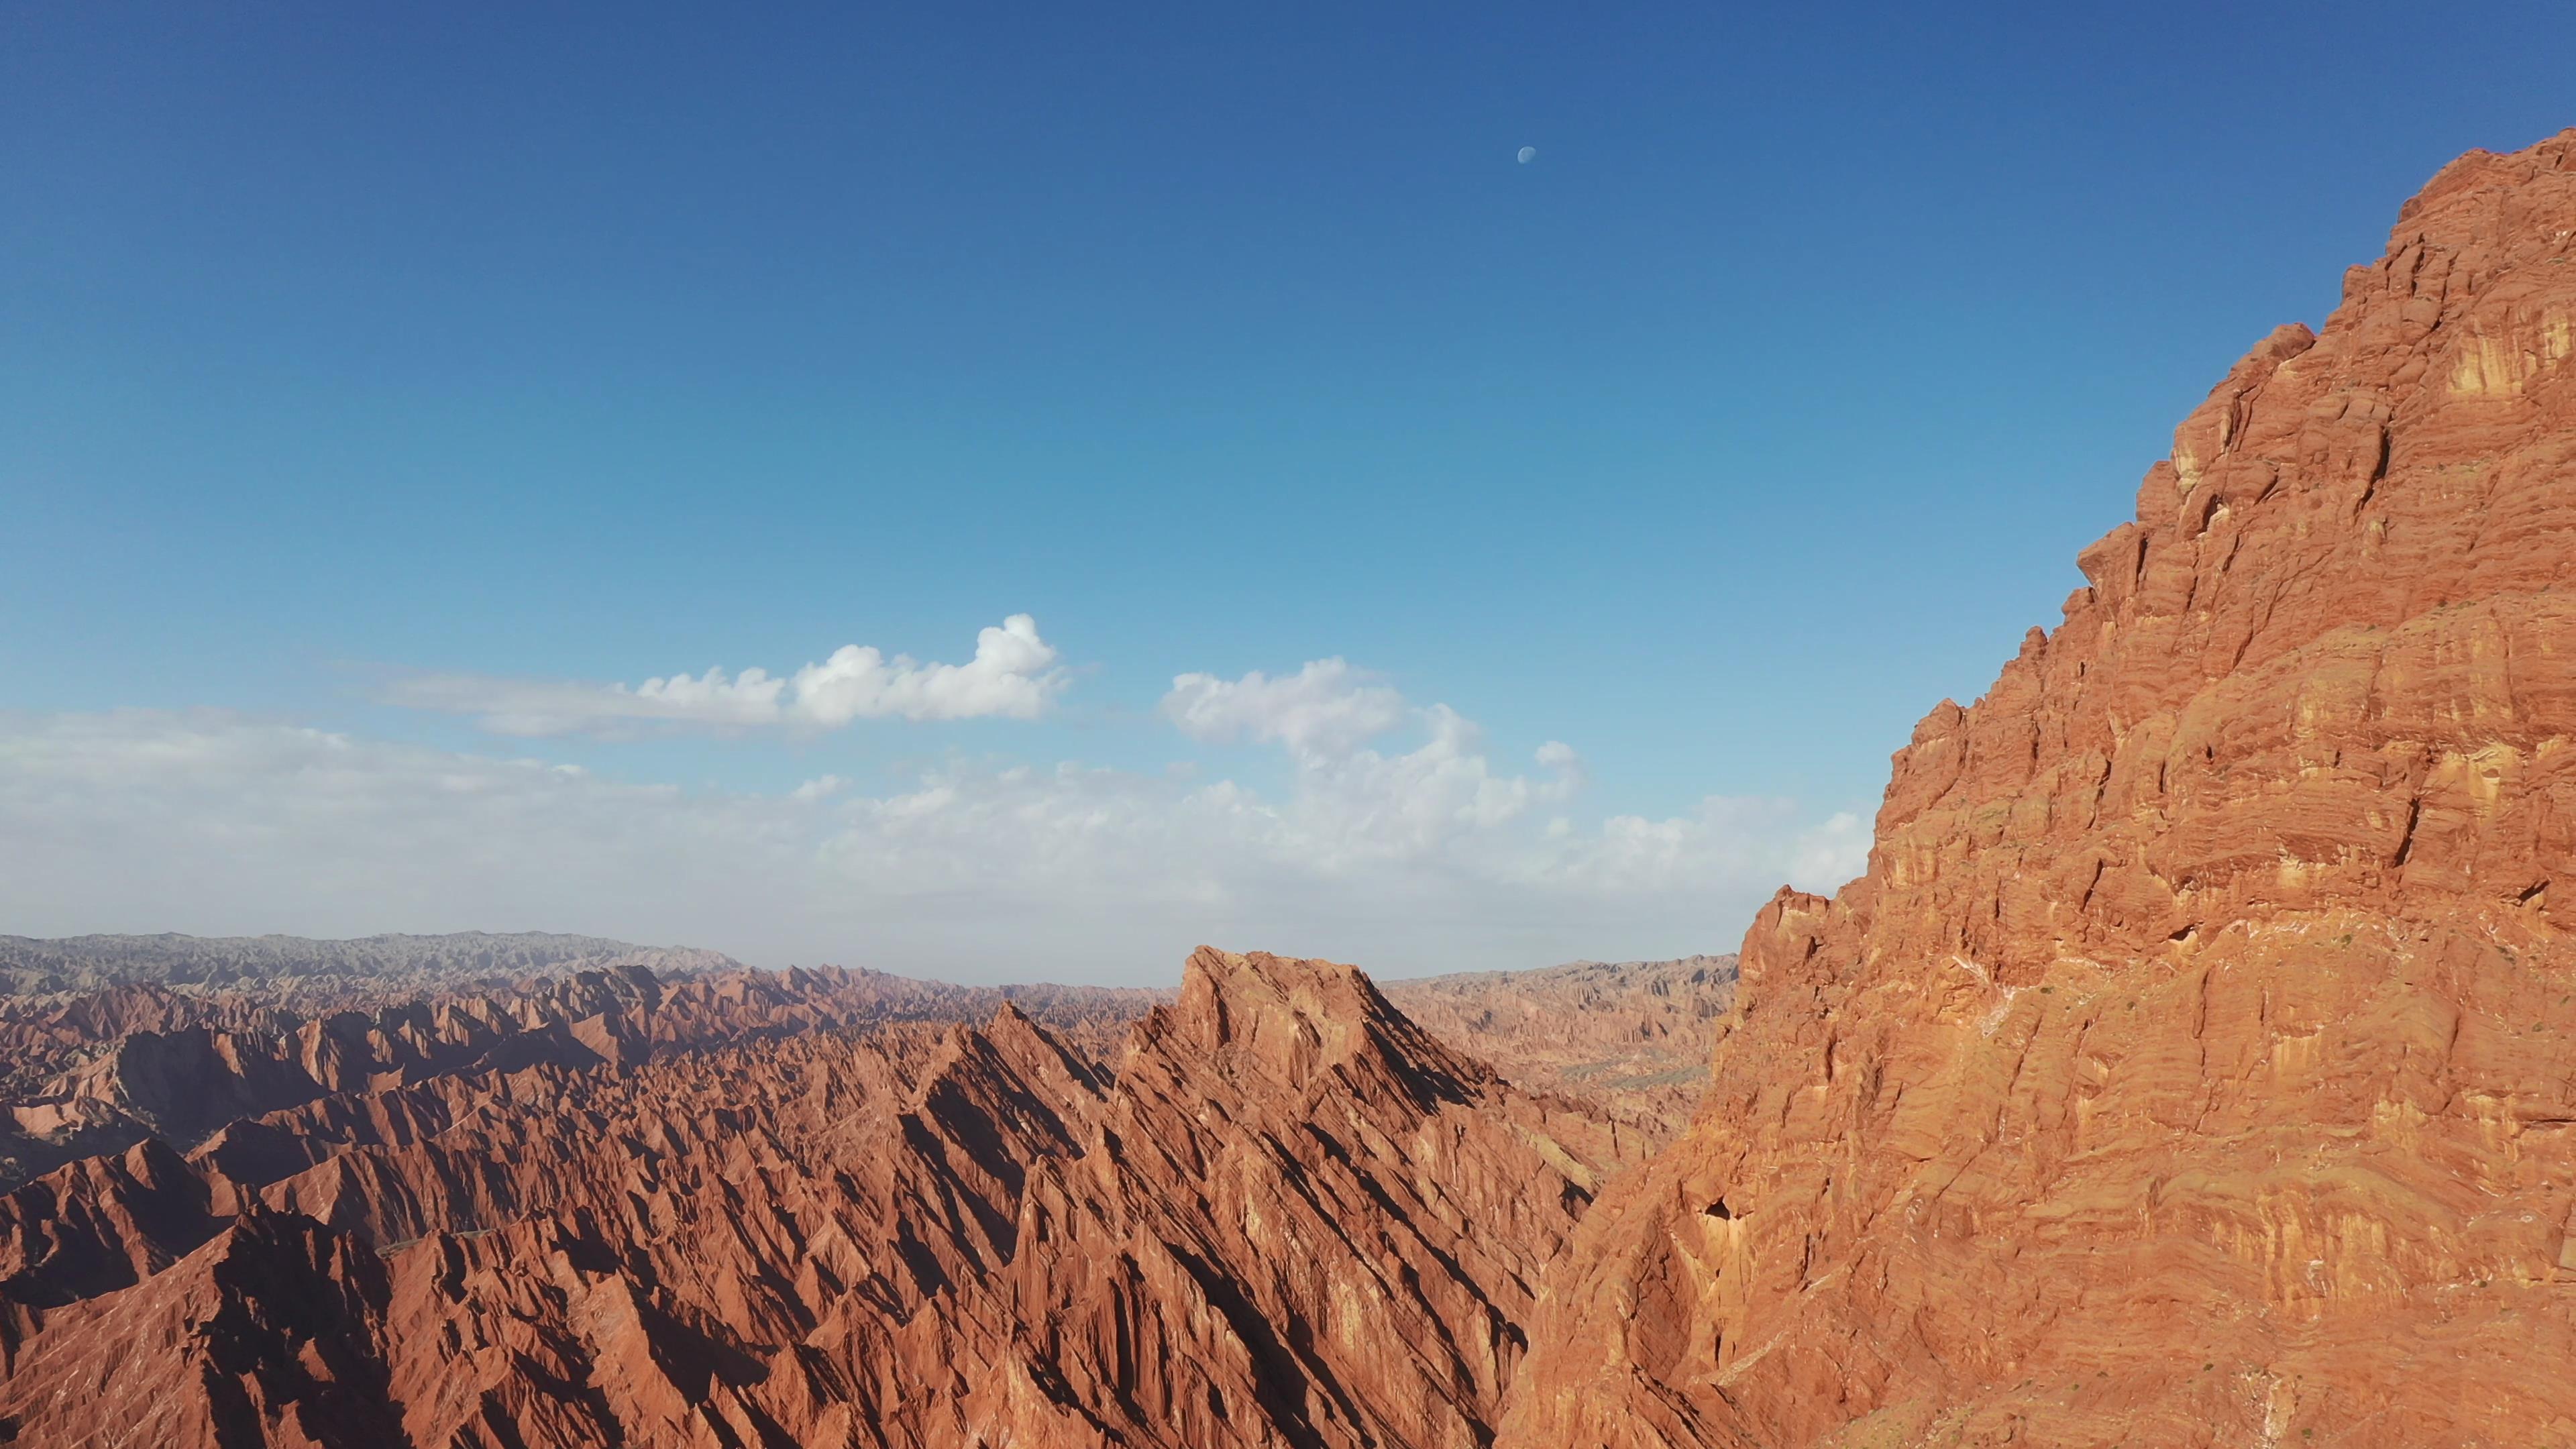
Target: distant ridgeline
(29, 966)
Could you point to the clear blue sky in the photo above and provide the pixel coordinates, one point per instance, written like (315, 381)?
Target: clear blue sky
(346, 345)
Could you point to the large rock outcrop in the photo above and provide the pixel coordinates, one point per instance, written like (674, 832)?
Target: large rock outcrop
(2196, 1063)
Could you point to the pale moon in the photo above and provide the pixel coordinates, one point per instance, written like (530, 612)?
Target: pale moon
(1528, 154)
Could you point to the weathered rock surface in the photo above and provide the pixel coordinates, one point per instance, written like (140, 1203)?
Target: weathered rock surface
(99, 1071)
(2196, 1064)
(138, 1062)
(1630, 1036)
(1290, 1217)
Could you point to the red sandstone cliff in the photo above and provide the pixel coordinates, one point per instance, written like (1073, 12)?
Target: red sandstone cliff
(2196, 1064)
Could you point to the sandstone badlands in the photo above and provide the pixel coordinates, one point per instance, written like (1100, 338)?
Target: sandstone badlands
(1631, 1037)
(1289, 1217)
(2195, 1065)
(103, 1071)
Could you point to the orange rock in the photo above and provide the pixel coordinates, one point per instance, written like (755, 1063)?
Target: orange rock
(1631, 1037)
(140, 1061)
(2196, 1064)
(1289, 1218)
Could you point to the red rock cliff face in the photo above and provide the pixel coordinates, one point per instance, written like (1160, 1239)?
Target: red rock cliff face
(2196, 1064)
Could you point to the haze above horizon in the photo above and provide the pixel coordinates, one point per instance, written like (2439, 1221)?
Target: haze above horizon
(963, 493)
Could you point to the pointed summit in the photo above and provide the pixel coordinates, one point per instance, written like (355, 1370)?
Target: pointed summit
(1292, 1020)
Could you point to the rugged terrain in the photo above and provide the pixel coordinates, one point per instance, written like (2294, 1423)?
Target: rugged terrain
(2196, 1063)
(278, 967)
(1288, 1217)
(104, 1071)
(98, 1071)
(1632, 1036)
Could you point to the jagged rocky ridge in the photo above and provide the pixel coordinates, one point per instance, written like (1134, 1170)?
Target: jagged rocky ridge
(2196, 1063)
(1288, 1217)
(97, 1072)
(101, 1072)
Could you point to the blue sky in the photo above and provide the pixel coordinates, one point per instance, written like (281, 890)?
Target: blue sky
(366, 366)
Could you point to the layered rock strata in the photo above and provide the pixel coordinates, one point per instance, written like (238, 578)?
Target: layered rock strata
(2196, 1063)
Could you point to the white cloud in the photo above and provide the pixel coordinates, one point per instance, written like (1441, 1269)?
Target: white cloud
(821, 787)
(1403, 859)
(1326, 708)
(1352, 804)
(1012, 676)
(1831, 853)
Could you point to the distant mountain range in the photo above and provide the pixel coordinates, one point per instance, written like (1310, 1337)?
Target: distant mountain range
(31, 966)
(1632, 1036)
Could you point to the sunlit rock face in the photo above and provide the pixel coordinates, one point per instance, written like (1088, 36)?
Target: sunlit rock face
(2196, 1063)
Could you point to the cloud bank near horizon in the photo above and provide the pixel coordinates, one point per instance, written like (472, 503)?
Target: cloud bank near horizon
(1395, 838)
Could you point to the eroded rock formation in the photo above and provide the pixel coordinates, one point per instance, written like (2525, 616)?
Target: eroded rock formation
(97, 1072)
(1630, 1036)
(1289, 1217)
(2196, 1063)
(137, 1062)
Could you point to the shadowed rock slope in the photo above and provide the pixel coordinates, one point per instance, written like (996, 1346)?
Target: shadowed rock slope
(1289, 1218)
(2196, 1063)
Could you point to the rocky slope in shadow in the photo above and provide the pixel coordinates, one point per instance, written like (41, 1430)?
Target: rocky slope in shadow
(2196, 1063)
(1290, 1217)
